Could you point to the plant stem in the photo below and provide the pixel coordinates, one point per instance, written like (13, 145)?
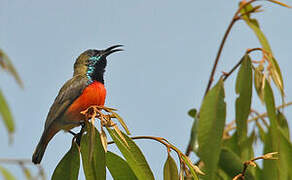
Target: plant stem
(234, 19)
(232, 126)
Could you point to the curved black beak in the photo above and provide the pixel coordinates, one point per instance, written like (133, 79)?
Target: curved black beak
(112, 49)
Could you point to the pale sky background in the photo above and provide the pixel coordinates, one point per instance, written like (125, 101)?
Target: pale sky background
(170, 47)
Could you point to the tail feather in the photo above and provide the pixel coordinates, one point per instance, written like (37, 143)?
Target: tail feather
(39, 151)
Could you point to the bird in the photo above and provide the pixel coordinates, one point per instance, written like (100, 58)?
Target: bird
(86, 88)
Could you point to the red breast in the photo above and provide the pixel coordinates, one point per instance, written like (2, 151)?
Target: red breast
(94, 94)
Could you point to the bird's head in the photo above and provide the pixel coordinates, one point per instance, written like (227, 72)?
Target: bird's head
(92, 62)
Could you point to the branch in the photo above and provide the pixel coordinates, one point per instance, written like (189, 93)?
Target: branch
(21, 163)
(169, 146)
(235, 18)
(232, 125)
(226, 75)
(252, 163)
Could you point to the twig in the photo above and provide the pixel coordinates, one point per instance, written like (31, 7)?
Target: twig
(226, 75)
(252, 163)
(169, 146)
(232, 125)
(15, 161)
(159, 139)
(262, 118)
(235, 18)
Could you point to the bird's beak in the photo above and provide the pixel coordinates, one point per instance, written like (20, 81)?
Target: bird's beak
(111, 50)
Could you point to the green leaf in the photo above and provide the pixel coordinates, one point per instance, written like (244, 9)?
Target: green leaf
(283, 124)
(221, 175)
(94, 167)
(122, 122)
(68, 167)
(192, 113)
(274, 70)
(6, 64)
(276, 75)
(210, 128)
(194, 138)
(254, 25)
(285, 157)
(231, 164)
(232, 144)
(119, 168)
(262, 133)
(243, 102)
(270, 167)
(133, 155)
(6, 174)
(247, 148)
(170, 171)
(6, 114)
(271, 143)
(270, 105)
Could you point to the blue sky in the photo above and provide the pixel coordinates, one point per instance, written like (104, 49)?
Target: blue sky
(170, 47)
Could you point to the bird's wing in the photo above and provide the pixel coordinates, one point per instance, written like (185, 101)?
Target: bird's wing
(68, 93)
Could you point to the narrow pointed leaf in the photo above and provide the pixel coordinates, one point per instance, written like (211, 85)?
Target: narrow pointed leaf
(276, 75)
(254, 25)
(280, 3)
(275, 70)
(270, 171)
(122, 122)
(259, 81)
(170, 171)
(6, 114)
(243, 102)
(119, 168)
(133, 155)
(6, 174)
(270, 105)
(271, 143)
(210, 128)
(68, 167)
(232, 144)
(285, 156)
(94, 168)
(262, 133)
(191, 167)
(6, 64)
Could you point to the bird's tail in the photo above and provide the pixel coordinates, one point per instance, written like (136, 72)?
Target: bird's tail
(42, 145)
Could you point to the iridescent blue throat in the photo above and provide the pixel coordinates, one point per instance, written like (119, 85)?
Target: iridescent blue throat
(91, 67)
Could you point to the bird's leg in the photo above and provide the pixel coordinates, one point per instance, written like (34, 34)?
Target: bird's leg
(79, 135)
(73, 133)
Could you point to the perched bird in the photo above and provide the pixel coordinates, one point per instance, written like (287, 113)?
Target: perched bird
(84, 89)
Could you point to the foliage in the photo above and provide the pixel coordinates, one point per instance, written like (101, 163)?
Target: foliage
(225, 150)
(229, 148)
(6, 64)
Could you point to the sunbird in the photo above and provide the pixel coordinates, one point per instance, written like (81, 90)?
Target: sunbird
(84, 89)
